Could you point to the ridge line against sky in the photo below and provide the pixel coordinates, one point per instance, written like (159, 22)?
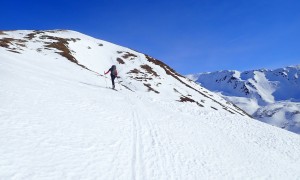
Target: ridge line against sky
(191, 36)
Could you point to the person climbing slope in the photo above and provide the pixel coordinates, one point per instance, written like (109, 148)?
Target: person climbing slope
(113, 74)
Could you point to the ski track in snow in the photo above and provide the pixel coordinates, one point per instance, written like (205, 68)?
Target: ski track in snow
(146, 144)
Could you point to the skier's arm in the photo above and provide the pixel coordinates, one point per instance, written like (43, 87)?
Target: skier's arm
(107, 71)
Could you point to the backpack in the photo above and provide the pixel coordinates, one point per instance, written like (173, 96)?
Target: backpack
(114, 70)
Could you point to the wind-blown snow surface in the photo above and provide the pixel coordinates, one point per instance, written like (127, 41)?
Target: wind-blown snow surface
(271, 96)
(59, 121)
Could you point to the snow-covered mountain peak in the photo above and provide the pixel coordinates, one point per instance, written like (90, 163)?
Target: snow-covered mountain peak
(138, 72)
(261, 88)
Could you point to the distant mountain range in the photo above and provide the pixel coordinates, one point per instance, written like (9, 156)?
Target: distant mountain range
(271, 96)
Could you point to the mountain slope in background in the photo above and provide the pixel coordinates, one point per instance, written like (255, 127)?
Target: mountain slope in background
(271, 96)
(60, 119)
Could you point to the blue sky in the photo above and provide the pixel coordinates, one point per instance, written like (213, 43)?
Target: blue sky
(191, 36)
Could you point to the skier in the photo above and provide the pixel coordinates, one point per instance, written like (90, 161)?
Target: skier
(113, 74)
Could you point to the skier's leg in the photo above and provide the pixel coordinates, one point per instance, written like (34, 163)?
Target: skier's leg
(113, 81)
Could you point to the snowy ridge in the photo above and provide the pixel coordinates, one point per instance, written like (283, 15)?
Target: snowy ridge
(139, 72)
(271, 96)
(60, 119)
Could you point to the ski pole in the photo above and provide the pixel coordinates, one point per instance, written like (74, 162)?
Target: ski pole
(105, 79)
(119, 83)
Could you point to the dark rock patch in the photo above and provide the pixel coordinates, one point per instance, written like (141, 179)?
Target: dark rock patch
(128, 55)
(150, 88)
(15, 43)
(5, 42)
(32, 35)
(134, 71)
(184, 98)
(61, 44)
(149, 70)
(120, 61)
(14, 51)
(187, 99)
(215, 108)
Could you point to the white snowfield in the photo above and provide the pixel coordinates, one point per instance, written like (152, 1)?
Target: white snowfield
(62, 121)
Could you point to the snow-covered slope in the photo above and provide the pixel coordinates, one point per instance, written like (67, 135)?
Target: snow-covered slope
(272, 96)
(59, 119)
